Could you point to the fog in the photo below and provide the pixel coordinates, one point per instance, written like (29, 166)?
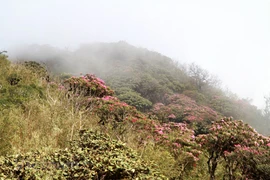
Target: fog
(228, 38)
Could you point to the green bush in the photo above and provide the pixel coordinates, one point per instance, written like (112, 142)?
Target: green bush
(92, 156)
(133, 98)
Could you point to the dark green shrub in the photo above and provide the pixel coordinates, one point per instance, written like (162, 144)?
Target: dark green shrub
(36, 68)
(133, 98)
(14, 79)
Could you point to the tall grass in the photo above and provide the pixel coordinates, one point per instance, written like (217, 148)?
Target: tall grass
(35, 114)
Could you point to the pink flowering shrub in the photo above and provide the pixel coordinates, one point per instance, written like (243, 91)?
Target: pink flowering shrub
(178, 139)
(88, 85)
(111, 109)
(97, 98)
(171, 116)
(253, 162)
(234, 142)
(182, 108)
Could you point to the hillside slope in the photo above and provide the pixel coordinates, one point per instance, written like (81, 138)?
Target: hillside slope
(143, 78)
(76, 128)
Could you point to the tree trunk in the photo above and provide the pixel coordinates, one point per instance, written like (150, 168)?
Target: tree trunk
(212, 165)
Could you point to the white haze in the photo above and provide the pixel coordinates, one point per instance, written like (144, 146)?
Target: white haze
(229, 38)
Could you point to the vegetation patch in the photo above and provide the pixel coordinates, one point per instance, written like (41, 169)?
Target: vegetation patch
(92, 156)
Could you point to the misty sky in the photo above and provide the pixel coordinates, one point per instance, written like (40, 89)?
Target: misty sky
(230, 38)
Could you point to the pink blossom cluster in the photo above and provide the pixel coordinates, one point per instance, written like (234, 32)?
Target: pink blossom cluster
(184, 107)
(61, 87)
(177, 137)
(108, 98)
(111, 109)
(172, 116)
(89, 85)
(239, 147)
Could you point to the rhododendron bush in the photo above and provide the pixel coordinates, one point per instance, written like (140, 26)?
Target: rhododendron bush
(111, 109)
(179, 108)
(180, 142)
(237, 144)
(176, 139)
(97, 98)
(252, 162)
(88, 85)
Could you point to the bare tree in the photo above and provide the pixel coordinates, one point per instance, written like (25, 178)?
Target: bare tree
(266, 110)
(201, 77)
(2, 52)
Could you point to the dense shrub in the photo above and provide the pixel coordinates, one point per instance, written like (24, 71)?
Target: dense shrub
(92, 156)
(88, 85)
(180, 108)
(110, 109)
(133, 98)
(37, 68)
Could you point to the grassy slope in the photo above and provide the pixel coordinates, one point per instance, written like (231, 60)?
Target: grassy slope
(34, 114)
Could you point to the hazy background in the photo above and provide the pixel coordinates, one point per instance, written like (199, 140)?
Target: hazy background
(229, 38)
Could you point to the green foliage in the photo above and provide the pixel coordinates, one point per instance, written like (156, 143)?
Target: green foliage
(3, 61)
(151, 88)
(64, 76)
(92, 156)
(20, 94)
(4, 68)
(18, 84)
(36, 68)
(133, 98)
(224, 106)
(201, 127)
(195, 95)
